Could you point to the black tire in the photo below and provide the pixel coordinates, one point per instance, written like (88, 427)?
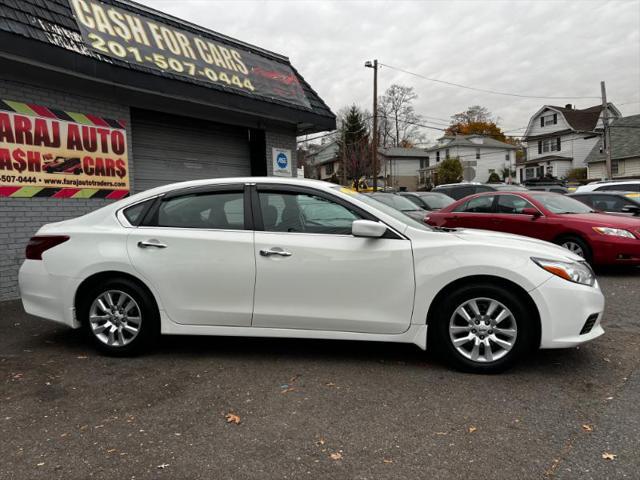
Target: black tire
(577, 241)
(149, 327)
(525, 324)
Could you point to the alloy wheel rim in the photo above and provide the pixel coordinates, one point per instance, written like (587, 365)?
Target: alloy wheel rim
(115, 318)
(574, 247)
(483, 330)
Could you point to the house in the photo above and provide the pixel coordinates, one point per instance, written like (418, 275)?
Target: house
(324, 161)
(401, 166)
(480, 155)
(625, 151)
(559, 139)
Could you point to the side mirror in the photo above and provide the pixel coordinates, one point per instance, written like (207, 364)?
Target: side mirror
(631, 209)
(367, 228)
(534, 212)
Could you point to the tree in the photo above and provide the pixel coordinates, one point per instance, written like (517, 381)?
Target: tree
(506, 172)
(475, 120)
(353, 143)
(397, 118)
(493, 178)
(450, 170)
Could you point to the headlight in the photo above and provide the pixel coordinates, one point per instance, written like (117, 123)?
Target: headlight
(577, 272)
(616, 232)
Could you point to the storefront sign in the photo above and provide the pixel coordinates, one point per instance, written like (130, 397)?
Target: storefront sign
(281, 162)
(136, 39)
(52, 153)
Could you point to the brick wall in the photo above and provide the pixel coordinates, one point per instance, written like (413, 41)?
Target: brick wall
(21, 218)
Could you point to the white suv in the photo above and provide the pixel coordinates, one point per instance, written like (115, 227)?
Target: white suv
(618, 186)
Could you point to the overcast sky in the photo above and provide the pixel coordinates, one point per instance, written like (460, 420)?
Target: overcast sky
(542, 48)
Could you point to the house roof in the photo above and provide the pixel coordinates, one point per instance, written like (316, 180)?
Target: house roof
(326, 153)
(399, 152)
(581, 120)
(46, 32)
(465, 141)
(625, 140)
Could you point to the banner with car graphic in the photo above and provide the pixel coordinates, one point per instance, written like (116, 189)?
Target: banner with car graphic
(46, 152)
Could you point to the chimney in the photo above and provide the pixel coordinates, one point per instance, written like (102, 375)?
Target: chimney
(568, 106)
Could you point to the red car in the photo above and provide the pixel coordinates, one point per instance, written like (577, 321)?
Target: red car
(599, 238)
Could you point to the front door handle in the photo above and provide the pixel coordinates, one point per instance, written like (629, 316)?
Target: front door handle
(147, 244)
(275, 251)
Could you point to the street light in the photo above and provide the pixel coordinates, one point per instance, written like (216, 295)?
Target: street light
(374, 140)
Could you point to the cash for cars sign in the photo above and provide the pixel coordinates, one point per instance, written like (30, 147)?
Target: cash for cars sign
(136, 39)
(43, 152)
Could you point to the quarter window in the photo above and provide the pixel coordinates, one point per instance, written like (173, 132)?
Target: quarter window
(220, 210)
(302, 213)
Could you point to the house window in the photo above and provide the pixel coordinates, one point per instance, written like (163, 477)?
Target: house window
(328, 169)
(615, 167)
(438, 156)
(549, 120)
(549, 145)
(446, 153)
(424, 162)
(477, 154)
(506, 156)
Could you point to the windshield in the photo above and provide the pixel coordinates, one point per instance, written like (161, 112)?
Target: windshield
(436, 201)
(392, 212)
(396, 201)
(558, 203)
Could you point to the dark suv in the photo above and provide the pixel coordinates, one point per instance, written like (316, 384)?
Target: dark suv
(461, 190)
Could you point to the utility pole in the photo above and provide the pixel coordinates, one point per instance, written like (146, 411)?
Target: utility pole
(374, 138)
(343, 175)
(606, 134)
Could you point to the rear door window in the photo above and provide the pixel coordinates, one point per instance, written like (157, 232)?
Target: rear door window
(512, 204)
(483, 204)
(215, 210)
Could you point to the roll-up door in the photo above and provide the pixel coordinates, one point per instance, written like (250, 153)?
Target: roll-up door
(169, 148)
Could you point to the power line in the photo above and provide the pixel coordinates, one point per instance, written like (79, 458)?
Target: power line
(484, 90)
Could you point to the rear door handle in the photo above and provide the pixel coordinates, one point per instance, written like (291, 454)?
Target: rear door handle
(149, 243)
(275, 251)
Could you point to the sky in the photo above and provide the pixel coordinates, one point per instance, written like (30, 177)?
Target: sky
(546, 48)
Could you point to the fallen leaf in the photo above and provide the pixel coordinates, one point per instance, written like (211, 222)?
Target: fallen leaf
(232, 418)
(162, 466)
(441, 433)
(320, 442)
(330, 384)
(40, 464)
(111, 450)
(387, 460)
(288, 389)
(336, 456)
(609, 456)
(472, 429)
(587, 428)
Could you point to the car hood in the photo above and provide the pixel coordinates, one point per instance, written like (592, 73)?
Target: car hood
(507, 240)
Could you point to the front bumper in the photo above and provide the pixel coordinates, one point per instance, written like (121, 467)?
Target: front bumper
(610, 250)
(564, 309)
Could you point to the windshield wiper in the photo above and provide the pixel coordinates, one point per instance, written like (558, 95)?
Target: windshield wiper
(443, 229)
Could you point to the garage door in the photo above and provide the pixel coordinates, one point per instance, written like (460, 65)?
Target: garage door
(169, 148)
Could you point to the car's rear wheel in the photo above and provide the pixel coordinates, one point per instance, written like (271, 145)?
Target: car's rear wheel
(575, 245)
(119, 316)
(483, 328)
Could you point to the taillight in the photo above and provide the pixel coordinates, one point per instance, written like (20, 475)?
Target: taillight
(40, 244)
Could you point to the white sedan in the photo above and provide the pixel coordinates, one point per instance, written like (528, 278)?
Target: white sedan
(274, 257)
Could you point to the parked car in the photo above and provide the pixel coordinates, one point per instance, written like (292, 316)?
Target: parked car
(178, 259)
(461, 190)
(622, 203)
(508, 187)
(615, 185)
(548, 188)
(64, 165)
(428, 200)
(597, 237)
(400, 203)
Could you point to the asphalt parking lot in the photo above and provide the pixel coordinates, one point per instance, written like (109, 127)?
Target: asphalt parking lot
(317, 409)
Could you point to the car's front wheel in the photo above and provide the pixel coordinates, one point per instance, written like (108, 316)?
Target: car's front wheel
(119, 316)
(483, 328)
